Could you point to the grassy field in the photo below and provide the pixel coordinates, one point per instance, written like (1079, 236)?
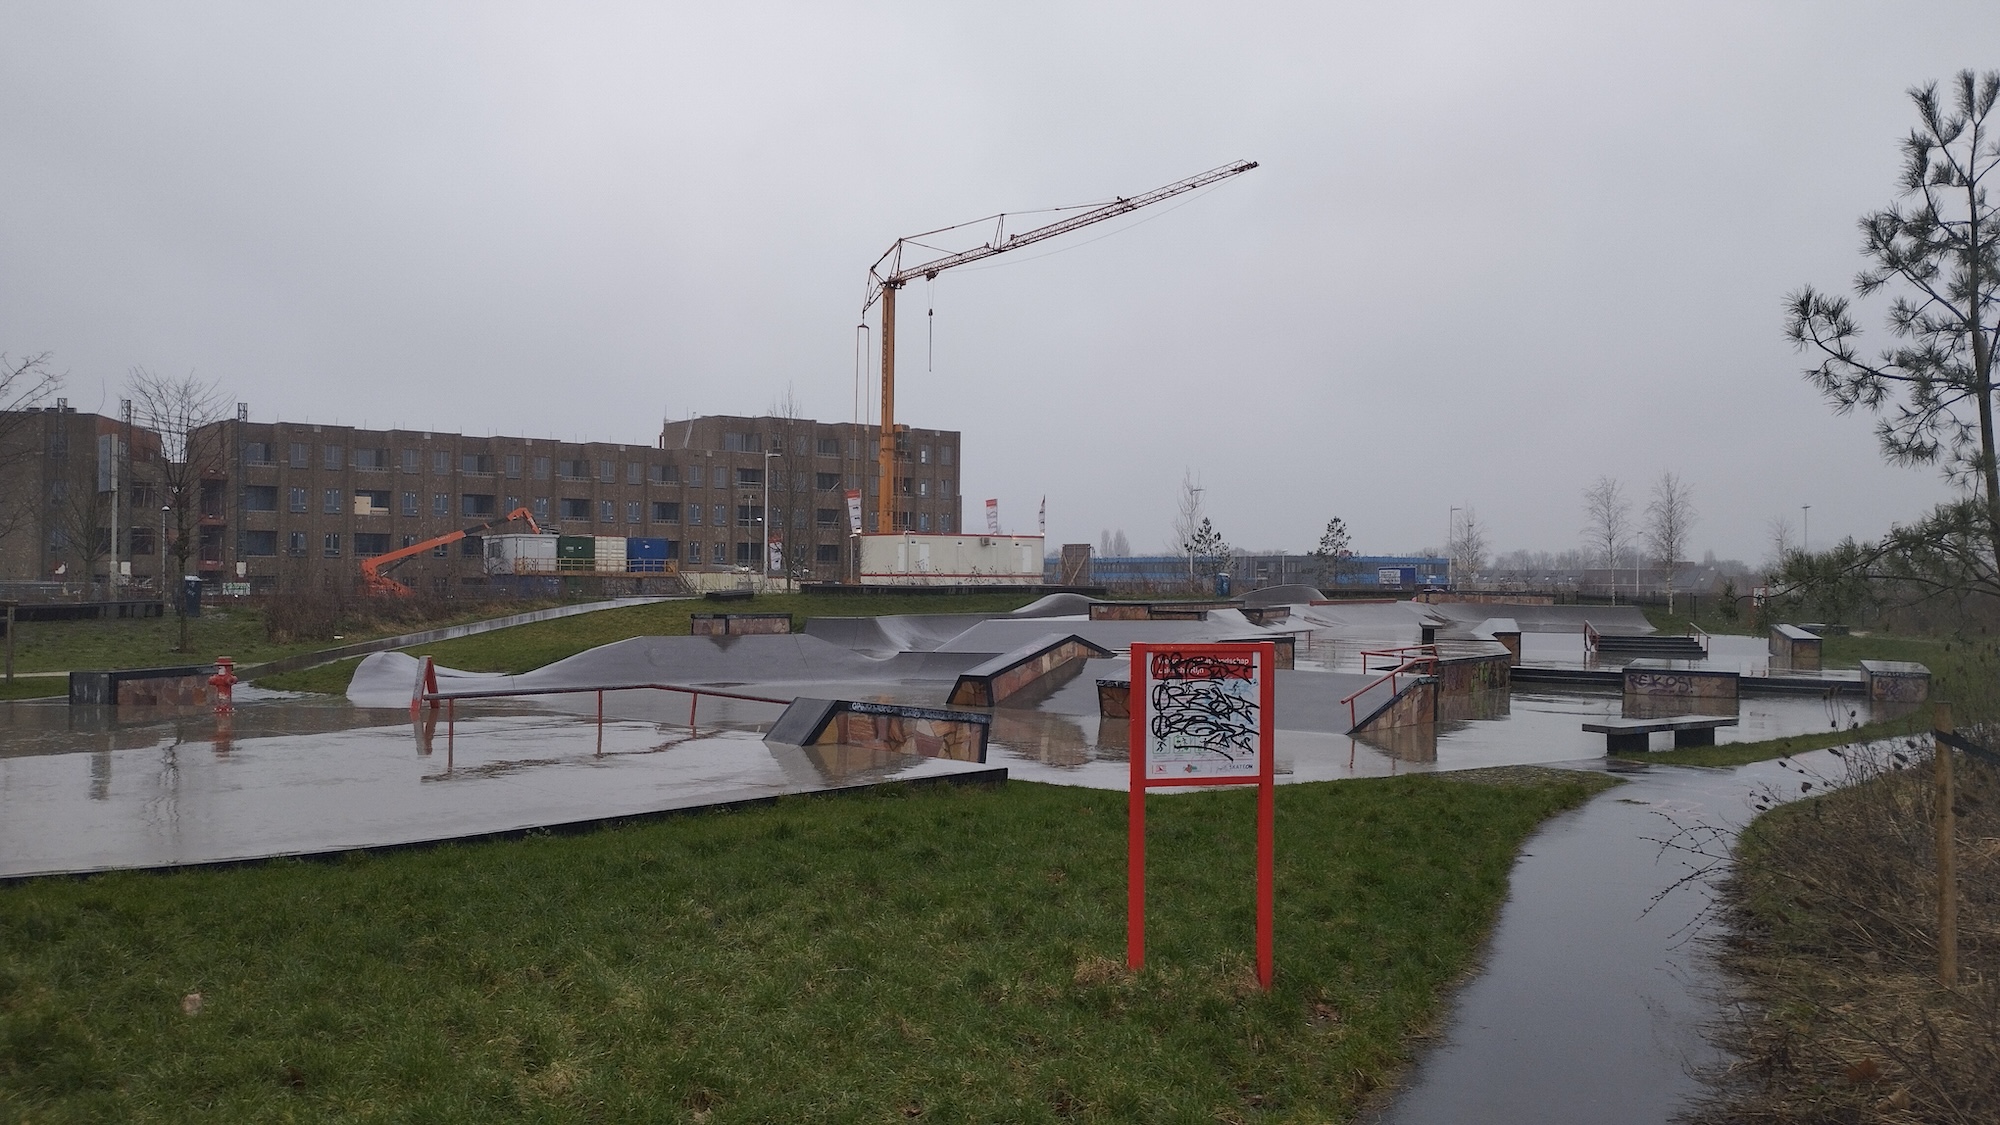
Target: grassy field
(239, 632)
(949, 954)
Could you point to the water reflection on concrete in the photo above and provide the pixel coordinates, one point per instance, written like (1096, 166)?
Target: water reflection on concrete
(82, 791)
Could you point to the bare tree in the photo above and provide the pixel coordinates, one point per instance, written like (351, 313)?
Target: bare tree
(1468, 546)
(177, 409)
(1780, 530)
(1607, 520)
(83, 518)
(25, 383)
(1188, 520)
(1670, 515)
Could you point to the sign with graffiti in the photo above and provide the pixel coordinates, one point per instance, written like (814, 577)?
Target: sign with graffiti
(1204, 713)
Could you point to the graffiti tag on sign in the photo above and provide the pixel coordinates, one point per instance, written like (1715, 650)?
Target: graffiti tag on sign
(1203, 714)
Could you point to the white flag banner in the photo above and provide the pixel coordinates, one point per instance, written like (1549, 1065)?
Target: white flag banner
(1043, 520)
(854, 511)
(993, 517)
(776, 563)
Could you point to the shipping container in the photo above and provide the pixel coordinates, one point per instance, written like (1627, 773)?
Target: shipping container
(951, 560)
(576, 552)
(520, 554)
(611, 554)
(646, 556)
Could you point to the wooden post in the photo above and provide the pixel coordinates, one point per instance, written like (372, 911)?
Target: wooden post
(1947, 859)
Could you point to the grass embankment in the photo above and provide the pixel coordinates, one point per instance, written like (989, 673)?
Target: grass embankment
(526, 647)
(1834, 905)
(954, 954)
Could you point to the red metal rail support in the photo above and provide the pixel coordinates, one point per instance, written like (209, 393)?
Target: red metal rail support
(1590, 639)
(1427, 663)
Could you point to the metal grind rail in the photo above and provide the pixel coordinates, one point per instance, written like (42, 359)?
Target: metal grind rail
(449, 700)
(1410, 665)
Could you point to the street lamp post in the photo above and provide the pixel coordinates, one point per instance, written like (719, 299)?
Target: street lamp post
(1192, 528)
(1450, 533)
(1805, 536)
(766, 520)
(160, 558)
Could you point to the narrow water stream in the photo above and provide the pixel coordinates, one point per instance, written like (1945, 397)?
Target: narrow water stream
(1595, 1000)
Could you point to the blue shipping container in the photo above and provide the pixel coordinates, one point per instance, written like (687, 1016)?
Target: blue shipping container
(646, 555)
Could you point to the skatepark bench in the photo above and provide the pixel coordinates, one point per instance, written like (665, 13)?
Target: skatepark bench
(1631, 734)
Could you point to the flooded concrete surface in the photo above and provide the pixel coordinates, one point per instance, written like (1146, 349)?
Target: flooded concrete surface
(1594, 1000)
(86, 792)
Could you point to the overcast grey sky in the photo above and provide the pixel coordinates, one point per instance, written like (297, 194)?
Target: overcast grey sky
(1493, 251)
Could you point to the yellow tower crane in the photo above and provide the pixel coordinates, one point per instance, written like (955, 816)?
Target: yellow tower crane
(889, 274)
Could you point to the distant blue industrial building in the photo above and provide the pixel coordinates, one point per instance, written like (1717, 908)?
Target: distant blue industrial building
(1248, 572)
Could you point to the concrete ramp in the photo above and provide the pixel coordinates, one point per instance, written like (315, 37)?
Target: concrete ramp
(926, 732)
(1035, 664)
(1621, 620)
(904, 632)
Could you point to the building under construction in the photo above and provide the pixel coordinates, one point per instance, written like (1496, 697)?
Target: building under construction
(293, 502)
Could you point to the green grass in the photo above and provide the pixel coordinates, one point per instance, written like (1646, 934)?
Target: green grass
(34, 687)
(953, 954)
(526, 647)
(236, 631)
(329, 679)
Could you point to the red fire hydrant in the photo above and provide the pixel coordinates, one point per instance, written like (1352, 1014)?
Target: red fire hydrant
(224, 683)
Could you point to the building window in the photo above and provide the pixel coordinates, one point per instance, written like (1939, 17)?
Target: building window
(721, 555)
(944, 454)
(924, 487)
(542, 509)
(854, 449)
(371, 503)
(747, 515)
(476, 504)
(799, 518)
(440, 503)
(742, 443)
(301, 457)
(631, 511)
(409, 540)
(330, 502)
(569, 469)
(666, 511)
(749, 478)
(746, 554)
(368, 545)
(441, 462)
(944, 522)
(261, 498)
(826, 517)
(607, 511)
(666, 474)
(694, 514)
(574, 508)
(513, 466)
(295, 544)
(635, 473)
(826, 482)
(331, 545)
(512, 505)
(673, 548)
(944, 488)
(298, 499)
(410, 461)
(923, 521)
(923, 455)
(697, 476)
(477, 464)
(258, 453)
(409, 503)
(371, 459)
(142, 540)
(260, 544)
(716, 517)
(607, 471)
(472, 547)
(721, 477)
(828, 447)
(827, 553)
(331, 457)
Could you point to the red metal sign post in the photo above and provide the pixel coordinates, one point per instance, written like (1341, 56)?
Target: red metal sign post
(1201, 715)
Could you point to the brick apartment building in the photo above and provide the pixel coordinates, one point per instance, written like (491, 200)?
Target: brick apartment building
(291, 501)
(58, 506)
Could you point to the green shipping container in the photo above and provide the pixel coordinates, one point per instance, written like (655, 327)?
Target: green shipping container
(576, 552)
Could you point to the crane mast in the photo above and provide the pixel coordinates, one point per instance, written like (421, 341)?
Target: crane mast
(889, 274)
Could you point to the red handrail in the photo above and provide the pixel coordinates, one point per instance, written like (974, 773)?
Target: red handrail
(1590, 639)
(451, 698)
(1400, 653)
(1389, 678)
